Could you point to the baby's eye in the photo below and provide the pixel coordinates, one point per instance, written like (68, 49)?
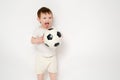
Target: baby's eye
(44, 18)
(50, 17)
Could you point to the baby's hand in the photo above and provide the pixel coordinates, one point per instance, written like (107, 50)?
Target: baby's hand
(41, 39)
(37, 40)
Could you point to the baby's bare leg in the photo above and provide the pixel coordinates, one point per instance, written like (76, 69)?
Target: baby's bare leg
(53, 76)
(40, 76)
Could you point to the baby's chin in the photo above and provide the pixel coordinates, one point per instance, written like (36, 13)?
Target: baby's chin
(47, 27)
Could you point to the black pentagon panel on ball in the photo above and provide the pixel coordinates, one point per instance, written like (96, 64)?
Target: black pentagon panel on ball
(50, 37)
(59, 34)
(56, 44)
(50, 29)
(47, 45)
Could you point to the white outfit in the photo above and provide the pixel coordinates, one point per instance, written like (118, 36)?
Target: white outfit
(43, 64)
(45, 57)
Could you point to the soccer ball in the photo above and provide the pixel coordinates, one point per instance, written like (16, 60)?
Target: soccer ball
(52, 38)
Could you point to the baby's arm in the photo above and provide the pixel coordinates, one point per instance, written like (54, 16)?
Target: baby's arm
(37, 40)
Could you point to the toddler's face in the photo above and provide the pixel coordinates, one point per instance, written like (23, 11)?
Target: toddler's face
(46, 20)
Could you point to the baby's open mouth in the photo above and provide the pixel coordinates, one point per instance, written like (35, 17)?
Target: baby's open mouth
(47, 23)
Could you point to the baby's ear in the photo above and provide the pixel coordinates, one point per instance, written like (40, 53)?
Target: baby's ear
(38, 19)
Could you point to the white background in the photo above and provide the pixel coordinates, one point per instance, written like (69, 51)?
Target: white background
(91, 30)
